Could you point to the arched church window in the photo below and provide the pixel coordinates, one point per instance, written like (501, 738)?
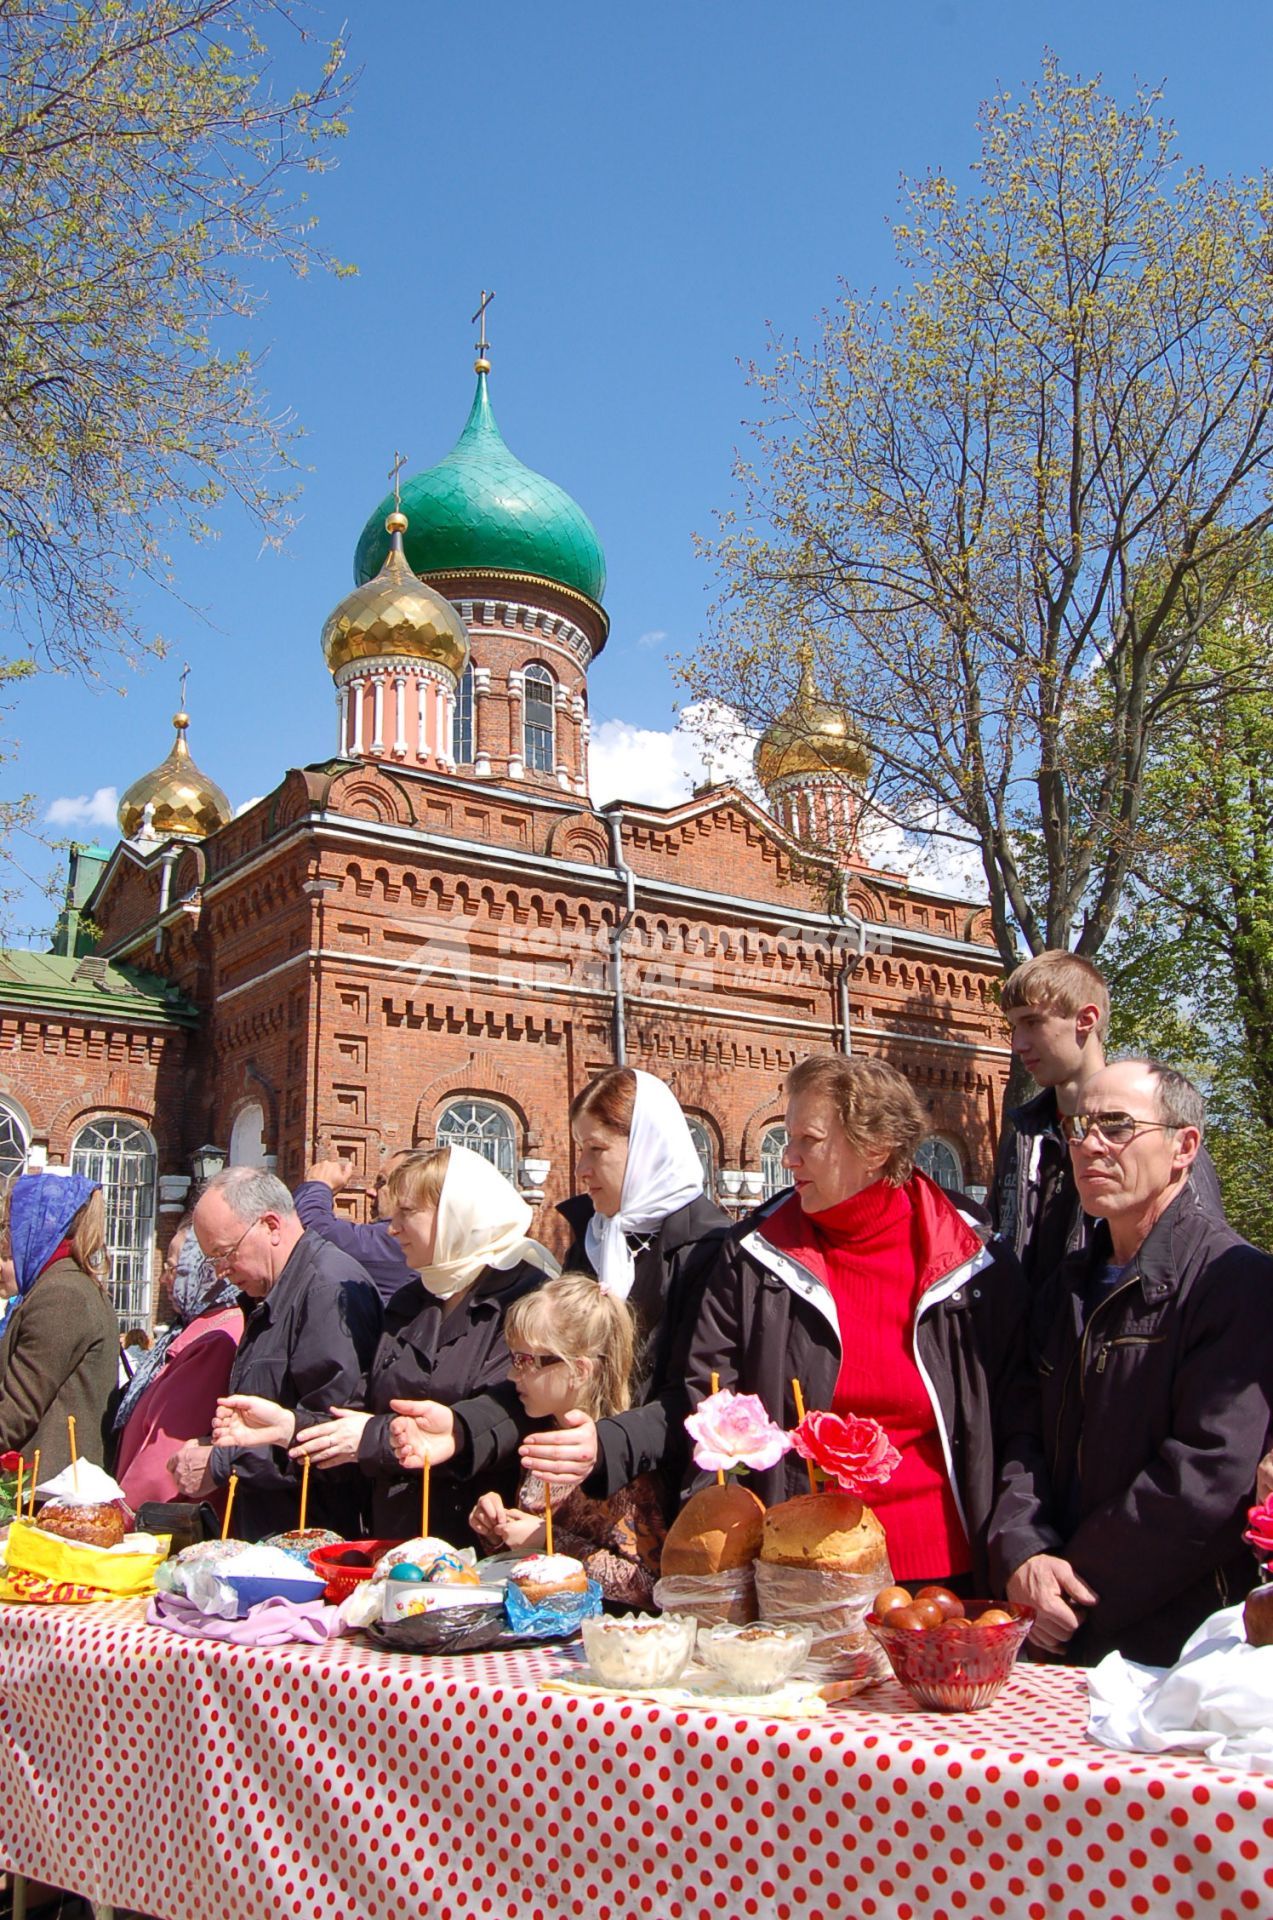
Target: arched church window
(940, 1161)
(485, 1128)
(15, 1138)
(772, 1147)
(539, 718)
(706, 1154)
(121, 1156)
(462, 740)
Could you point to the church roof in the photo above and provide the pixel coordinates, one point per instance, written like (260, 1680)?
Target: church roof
(89, 985)
(482, 510)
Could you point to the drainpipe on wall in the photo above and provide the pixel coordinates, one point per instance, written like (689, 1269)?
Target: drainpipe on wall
(848, 967)
(617, 936)
(169, 857)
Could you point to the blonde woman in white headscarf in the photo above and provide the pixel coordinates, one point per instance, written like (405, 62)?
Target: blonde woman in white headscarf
(644, 1226)
(464, 1229)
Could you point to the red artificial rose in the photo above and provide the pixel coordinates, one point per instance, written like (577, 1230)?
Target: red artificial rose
(10, 1462)
(858, 1453)
(1259, 1531)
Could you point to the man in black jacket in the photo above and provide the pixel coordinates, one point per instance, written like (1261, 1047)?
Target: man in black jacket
(1154, 1353)
(312, 1320)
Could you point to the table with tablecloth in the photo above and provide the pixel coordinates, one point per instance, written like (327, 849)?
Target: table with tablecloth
(194, 1780)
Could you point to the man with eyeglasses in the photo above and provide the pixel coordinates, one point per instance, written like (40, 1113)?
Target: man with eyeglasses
(1153, 1400)
(311, 1323)
(370, 1244)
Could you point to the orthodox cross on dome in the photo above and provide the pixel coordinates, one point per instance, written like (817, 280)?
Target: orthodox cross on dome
(483, 344)
(185, 675)
(399, 462)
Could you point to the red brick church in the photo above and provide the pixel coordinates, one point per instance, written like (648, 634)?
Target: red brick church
(434, 935)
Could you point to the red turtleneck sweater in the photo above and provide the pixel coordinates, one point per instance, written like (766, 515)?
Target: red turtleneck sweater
(869, 1245)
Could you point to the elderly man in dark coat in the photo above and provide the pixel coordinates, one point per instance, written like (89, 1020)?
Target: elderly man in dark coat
(312, 1323)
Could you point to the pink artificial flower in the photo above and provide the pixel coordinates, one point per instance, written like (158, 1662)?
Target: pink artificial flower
(733, 1430)
(856, 1452)
(1259, 1533)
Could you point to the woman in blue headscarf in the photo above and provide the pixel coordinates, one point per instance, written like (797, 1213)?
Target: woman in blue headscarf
(60, 1352)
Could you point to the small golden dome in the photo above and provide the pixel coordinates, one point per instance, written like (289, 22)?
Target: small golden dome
(810, 737)
(395, 613)
(174, 798)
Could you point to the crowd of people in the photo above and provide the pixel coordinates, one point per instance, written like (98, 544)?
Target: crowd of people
(1078, 1380)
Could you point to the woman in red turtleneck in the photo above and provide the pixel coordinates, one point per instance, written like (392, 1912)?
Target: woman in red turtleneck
(867, 1284)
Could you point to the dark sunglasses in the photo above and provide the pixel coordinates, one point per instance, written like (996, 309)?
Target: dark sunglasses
(533, 1362)
(1115, 1129)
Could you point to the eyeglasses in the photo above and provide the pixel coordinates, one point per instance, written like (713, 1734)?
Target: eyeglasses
(221, 1262)
(533, 1362)
(1115, 1129)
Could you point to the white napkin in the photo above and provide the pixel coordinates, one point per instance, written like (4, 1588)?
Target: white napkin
(82, 1485)
(1217, 1700)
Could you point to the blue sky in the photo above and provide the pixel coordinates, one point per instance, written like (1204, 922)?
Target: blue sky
(647, 189)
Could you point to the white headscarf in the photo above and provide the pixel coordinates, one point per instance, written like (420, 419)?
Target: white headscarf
(663, 1173)
(482, 1222)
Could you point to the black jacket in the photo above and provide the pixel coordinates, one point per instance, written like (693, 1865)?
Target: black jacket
(372, 1246)
(307, 1346)
(768, 1319)
(1153, 1409)
(428, 1354)
(649, 1437)
(1034, 1203)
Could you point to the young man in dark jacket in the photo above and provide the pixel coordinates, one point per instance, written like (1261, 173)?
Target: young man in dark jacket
(1154, 1358)
(1057, 1006)
(371, 1245)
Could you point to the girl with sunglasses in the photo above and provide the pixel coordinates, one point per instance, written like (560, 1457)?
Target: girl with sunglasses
(571, 1349)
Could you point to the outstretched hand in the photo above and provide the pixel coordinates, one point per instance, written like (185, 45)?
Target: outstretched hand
(248, 1420)
(565, 1454)
(423, 1430)
(335, 1442)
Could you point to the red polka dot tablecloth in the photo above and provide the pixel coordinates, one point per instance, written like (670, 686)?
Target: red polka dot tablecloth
(197, 1781)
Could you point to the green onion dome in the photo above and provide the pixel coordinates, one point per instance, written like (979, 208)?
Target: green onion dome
(481, 511)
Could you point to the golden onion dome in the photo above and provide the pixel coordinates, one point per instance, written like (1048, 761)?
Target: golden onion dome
(811, 736)
(175, 798)
(396, 613)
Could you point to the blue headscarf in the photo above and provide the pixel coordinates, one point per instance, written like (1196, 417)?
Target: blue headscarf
(41, 1208)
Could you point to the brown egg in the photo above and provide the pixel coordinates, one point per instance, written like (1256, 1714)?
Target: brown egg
(952, 1607)
(993, 1617)
(888, 1600)
(907, 1620)
(928, 1611)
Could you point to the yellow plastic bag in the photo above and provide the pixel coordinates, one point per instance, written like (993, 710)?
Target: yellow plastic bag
(34, 1556)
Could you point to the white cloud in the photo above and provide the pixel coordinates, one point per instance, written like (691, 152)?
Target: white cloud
(247, 803)
(82, 811)
(661, 767)
(654, 638)
(945, 865)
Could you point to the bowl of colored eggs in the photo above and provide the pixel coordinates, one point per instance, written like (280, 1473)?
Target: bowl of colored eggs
(949, 1653)
(345, 1564)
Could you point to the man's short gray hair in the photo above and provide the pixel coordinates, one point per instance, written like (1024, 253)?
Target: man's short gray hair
(251, 1191)
(1178, 1101)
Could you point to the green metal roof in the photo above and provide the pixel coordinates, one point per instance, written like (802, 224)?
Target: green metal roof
(87, 984)
(480, 508)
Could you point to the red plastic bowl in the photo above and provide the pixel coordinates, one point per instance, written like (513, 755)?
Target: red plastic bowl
(959, 1665)
(341, 1581)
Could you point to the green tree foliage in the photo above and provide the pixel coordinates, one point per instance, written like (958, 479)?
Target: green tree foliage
(147, 168)
(1191, 961)
(1016, 495)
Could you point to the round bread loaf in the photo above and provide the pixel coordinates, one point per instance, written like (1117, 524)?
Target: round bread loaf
(717, 1528)
(93, 1526)
(1257, 1616)
(831, 1531)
